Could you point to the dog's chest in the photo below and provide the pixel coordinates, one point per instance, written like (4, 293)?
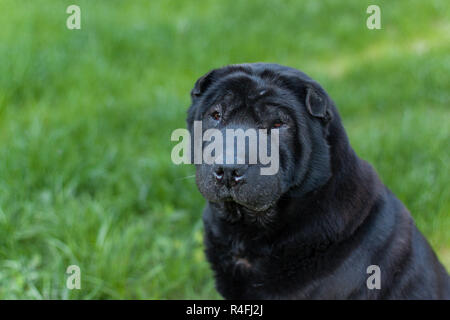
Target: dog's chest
(244, 258)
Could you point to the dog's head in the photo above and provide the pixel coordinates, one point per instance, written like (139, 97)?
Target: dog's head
(251, 97)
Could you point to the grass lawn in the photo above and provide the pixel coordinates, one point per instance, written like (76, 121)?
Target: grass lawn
(86, 117)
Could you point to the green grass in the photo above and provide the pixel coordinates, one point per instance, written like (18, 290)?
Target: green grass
(86, 118)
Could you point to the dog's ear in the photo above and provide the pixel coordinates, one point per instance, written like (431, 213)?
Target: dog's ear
(318, 102)
(202, 84)
(310, 93)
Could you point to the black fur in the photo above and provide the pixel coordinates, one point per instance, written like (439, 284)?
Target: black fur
(311, 231)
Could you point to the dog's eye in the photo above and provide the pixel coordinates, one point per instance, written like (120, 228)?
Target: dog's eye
(216, 115)
(277, 124)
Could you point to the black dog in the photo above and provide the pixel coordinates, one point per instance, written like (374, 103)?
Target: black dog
(312, 230)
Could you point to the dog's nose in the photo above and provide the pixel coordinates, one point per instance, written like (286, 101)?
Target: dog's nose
(230, 175)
